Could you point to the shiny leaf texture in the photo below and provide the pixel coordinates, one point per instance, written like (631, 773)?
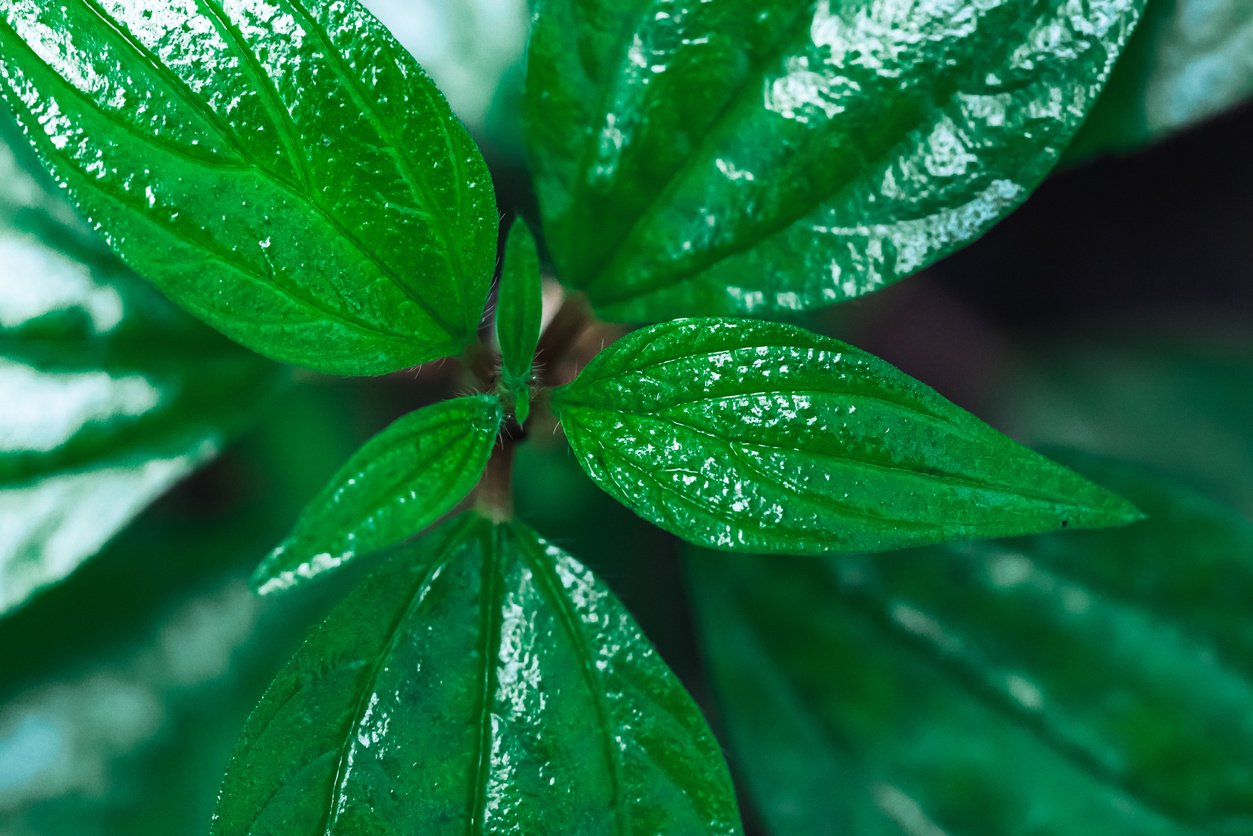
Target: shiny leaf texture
(283, 169)
(1187, 61)
(1095, 683)
(519, 315)
(756, 436)
(484, 682)
(398, 483)
(110, 394)
(756, 157)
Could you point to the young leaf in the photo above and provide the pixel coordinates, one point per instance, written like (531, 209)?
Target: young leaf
(110, 394)
(1111, 670)
(484, 682)
(283, 169)
(757, 436)
(519, 310)
(748, 157)
(1187, 61)
(401, 481)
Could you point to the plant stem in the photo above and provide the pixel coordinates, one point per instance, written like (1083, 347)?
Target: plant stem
(567, 325)
(494, 494)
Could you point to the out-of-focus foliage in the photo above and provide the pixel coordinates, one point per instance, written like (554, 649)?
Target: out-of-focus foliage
(109, 393)
(1187, 61)
(1095, 683)
(1174, 396)
(473, 49)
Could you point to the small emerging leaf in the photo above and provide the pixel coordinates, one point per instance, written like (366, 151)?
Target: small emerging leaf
(757, 436)
(1096, 683)
(519, 310)
(401, 481)
(281, 168)
(749, 156)
(481, 682)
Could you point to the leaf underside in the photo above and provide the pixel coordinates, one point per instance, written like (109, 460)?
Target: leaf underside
(485, 681)
(756, 157)
(398, 483)
(111, 394)
(756, 436)
(1096, 683)
(282, 169)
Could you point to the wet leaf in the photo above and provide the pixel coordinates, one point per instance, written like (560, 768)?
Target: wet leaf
(1187, 61)
(756, 157)
(519, 314)
(111, 395)
(282, 169)
(1095, 683)
(482, 680)
(400, 482)
(755, 436)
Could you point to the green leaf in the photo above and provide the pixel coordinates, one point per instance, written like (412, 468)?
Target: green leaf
(519, 314)
(401, 481)
(283, 169)
(111, 395)
(484, 681)
(1173, 395)
(756, 157)
(1095, 683)
(1187, 61)
(756, 436)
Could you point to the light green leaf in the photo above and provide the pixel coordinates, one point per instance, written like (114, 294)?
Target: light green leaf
(1095, 683)
(110, 394)
(283, 169)
(756, 157)
(482, 682)
(756, 436)
(401, 481)
(519, 314)
(1187, 61)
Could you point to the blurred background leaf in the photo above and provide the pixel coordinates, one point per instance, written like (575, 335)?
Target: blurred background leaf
(1097, 682)
(111, 394)
(1187, 61)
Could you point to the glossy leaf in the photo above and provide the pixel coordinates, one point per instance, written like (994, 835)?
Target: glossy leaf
(400, 482)
(755, 436)
(519, 315)
(283, 169)
(1095, 683)
(110, 394)
(483, 682)
(1187, 61)
(755, 157)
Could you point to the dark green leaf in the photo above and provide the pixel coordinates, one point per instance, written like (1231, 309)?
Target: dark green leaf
(110, 394)
(1188, 60)
(484, 682)
(519, 313)
(1096, 683)
(283, 169)
(1169, 395)
(750, 157)
(401, 481)
(756, 436)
